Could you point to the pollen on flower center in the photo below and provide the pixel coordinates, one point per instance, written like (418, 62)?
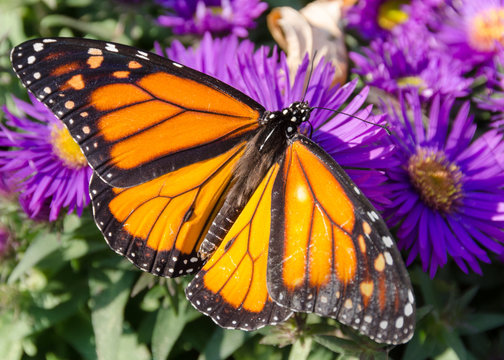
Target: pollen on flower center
(487, 29)
(411, 80)
(436, 179)
(66, 148)
(390, 14)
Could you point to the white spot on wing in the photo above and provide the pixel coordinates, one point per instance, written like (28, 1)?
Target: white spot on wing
(38, 47)
(408, 309)
(111, 47)
(387, 240)
(399, 322)
(388, 258)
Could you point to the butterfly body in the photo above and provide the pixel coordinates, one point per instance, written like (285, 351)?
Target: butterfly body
(193, 176)
(267, 147)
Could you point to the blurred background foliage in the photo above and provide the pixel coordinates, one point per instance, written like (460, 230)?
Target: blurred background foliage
(65, 295)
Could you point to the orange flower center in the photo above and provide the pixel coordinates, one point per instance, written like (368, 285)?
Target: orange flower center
(390, 14)
(487, 29)
(65, 147)
(436, 179)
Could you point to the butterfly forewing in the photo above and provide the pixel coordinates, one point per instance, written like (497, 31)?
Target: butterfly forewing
(330, 251)
(135, 115)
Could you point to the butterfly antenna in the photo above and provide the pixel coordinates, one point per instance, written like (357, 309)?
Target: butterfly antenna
(384, 127)
(312, 62)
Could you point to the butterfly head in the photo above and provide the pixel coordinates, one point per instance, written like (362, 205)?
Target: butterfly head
(292, 116)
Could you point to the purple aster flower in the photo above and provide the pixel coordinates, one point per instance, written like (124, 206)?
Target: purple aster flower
(43, 162)
(447, 194)
(493, 99)
(377, 18)
(264, 76)
(409, 60)
(5, 187)
(219, 17)
(473, 31)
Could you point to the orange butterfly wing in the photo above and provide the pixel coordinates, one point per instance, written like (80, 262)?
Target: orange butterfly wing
(231, 287)
(159, 225)
(135, 115)
(330, 252)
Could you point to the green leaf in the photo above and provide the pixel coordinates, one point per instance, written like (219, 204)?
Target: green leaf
(335, 344)
(13, 328)
(12, 350)
(453, 341)
(415, 350)
(428, 291)
(167, 329)
(100, 29)
(169, 324)
(110, 289)
(301, 349)
(223, 343)
(481, 322)
(145, 281)
(130, 348)
(42, 245)
(449, 354)
(71, 223)
(12, 23)
(469, 295)
(46, 318)
(79, 333)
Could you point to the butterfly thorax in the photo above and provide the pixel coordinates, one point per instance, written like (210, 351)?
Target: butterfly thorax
(288, 118)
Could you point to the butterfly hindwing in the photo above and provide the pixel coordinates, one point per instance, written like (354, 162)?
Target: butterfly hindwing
(231, 287)
(135, 115)
(159, 225)
(331, 253)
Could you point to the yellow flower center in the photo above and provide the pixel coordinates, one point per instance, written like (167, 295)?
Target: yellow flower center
(436, 179)
(66, 148)
(390, 14)
(411, 81)
(487, 29)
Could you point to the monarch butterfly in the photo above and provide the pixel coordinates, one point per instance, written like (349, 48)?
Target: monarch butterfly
(193, 176)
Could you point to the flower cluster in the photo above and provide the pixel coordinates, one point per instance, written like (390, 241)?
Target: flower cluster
(437, 47)
(220, 17)
(42, 162)
(447, 194)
